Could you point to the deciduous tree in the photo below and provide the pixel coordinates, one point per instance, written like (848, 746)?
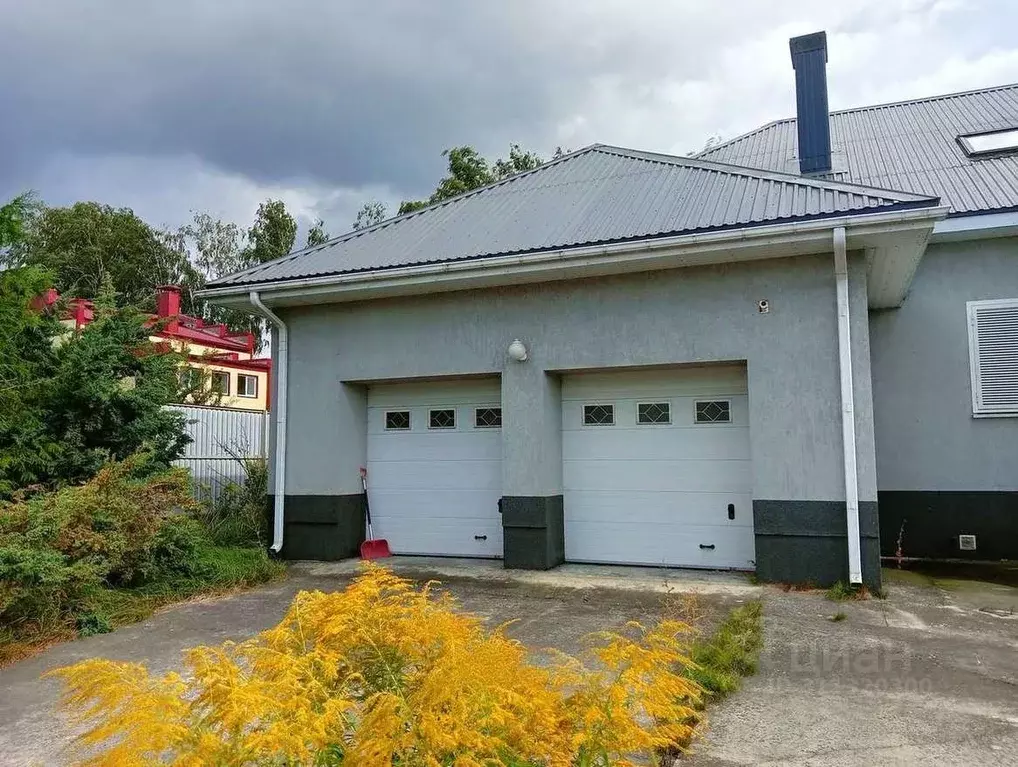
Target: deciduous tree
(317, 234)
(80, 244)
(272, 234)
(371, 213)
(469, 170)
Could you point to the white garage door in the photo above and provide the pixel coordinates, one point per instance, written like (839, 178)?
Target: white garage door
(435, 467)
(656, 468)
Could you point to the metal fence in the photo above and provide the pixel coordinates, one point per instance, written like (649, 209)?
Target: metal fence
(221, 439)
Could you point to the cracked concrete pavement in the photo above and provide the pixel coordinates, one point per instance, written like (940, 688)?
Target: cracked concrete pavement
(928, 675)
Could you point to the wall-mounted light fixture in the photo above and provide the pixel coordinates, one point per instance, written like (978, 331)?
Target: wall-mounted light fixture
(517, 350)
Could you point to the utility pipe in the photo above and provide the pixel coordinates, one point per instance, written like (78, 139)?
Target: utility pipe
(280, 410)
(847, 406)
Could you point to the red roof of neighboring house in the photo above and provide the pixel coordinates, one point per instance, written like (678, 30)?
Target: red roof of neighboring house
(170, 324)
(193, 329)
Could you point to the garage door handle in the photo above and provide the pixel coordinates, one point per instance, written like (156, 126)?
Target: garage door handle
(731, 511)
(480, 537)
(707, 546)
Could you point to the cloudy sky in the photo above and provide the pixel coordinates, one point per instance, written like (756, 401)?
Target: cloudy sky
(180, 105)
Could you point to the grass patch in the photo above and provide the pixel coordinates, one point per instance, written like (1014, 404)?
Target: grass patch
(220, 569)
(730, 653)
(838, 617)
(843, 592)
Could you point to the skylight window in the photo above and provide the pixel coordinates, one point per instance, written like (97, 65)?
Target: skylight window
(990, 143)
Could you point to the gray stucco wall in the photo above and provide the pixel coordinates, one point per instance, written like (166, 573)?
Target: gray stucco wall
(943, 473)
(677, 316)
(927, 438)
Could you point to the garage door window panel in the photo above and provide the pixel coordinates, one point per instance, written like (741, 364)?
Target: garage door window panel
(488, 418)
(440, 419)
(598, 415)
(713, 411)
(653, 413)
(397, 420)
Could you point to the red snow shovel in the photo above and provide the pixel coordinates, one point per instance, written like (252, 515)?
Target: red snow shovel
(371, 548)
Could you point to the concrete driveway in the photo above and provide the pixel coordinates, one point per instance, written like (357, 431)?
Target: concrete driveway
(923, 676)
(927, 676)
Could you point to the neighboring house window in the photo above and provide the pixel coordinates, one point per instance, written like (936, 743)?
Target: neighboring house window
(441, 419)
(993, 356)
(976, 144)
(190, 378)
(488, 417)
(247, 386)
(598, 415)
(714, 411)
(653, 412)
(397, 420)
(220, 382)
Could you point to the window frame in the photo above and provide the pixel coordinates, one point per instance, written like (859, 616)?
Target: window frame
(980, 410)
(455, 418)
(479, 408)
(965, 140)
(213, 375)
(696, 408)
(409, 420)
(247, 376)
(189, 377)
(583, 414)
(668, 411)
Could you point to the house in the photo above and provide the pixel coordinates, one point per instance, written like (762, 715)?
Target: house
(780, 355)
(218, 359)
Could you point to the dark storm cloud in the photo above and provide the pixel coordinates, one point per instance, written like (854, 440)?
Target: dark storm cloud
(347, 93)
(171, 105)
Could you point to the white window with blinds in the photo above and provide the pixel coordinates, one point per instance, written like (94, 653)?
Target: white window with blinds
(993, 351)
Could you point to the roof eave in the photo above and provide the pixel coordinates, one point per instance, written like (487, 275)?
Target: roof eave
(872, 232)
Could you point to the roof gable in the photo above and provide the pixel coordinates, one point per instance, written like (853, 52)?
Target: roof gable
(910, 145)
(600, 194)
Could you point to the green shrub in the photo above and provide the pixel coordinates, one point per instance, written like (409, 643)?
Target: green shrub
(69, 407)
(843, 592)
(175, 550)
(84, 560)
(111, 521)
(730, 653)
(237, 516)
(92, 623)
(40, 585)
(58, 548)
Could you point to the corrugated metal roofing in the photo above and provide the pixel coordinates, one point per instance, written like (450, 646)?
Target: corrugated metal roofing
(600, 194)
(910, 145)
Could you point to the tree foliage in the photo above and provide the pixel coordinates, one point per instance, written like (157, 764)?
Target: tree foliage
(317, 234)
(14, 218)
(215, 248)
(468, 170)
(272, 234)
(81, 243)
(70, 401)
(371, 213)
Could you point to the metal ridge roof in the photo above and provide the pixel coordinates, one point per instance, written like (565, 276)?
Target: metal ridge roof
(597, 195)
(905, 145)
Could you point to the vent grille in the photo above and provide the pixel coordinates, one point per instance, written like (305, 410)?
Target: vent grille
(993, 346)
(967, 542)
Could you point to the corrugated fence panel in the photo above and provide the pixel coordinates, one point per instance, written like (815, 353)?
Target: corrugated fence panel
(220, 438)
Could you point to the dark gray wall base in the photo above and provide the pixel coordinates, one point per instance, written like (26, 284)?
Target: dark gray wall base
(321, 527)
(806, 542)
(533, 532)
(933, 520)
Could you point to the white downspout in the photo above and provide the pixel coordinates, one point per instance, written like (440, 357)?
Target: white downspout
(847, 406)
(280, 408)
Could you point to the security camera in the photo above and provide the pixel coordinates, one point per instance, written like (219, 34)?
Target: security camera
(763, 306)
